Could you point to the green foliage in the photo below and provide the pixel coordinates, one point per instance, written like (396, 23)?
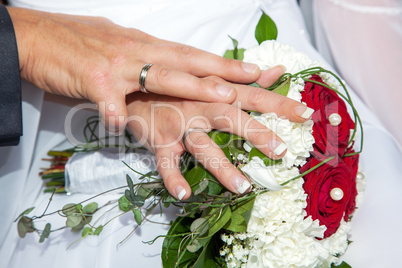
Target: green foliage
(98, 230)
(267, 161)
(342, 265)
(283, 89)
(25, 225)
(90, 208)
(266, 29)
(26, 212)
(137, 216)
(45, 233)
(124, 204)
(236, 53)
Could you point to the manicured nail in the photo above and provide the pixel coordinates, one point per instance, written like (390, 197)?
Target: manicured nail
(250, 67)
(304, 111)
(277, 147)
(224, 90)
(282, 66)
(180, 192)
(114, 131)
(241, 184)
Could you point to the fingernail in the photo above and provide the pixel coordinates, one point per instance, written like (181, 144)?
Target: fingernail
(224, 90)
(115, 132)
(304, 111)
(277, 147)
(250, 67)
(241, 184)
(180, 192)
(283, 67)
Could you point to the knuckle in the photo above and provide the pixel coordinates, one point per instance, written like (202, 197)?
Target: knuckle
(281, 104)
(259, 136)
(257, 98)
(162, 75)
(185, 51)
(197, 143)
(231, 113)
(98, 77)
(226, 64)
(223, 169)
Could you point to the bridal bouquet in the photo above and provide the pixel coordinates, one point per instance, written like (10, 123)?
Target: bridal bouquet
(299, 210)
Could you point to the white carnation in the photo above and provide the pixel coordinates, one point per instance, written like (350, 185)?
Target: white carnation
(272, 53)
(298, 137)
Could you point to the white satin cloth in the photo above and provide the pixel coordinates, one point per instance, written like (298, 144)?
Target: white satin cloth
(376, 232)
(363, 39)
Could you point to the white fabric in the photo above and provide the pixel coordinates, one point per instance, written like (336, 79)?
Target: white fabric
(109, 172)
(205, 24)
(364, 40)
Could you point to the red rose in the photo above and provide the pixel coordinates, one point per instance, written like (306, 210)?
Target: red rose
(329, 140)
(318, 184)
(353, 163)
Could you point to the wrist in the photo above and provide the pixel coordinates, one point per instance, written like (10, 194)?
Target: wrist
(24, 21)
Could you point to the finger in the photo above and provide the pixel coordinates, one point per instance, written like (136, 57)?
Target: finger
(201, 63)
(168, 161)
(113, 112)
(164, 81)
(212, 158)
(270, 76)
(265, 101)
(230, 119)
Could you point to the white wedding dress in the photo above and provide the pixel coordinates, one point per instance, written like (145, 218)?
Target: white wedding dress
(376, 232)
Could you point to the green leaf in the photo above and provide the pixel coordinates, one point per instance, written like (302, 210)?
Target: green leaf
(144, 192)
(45, 233)
(73, 220)
(124, 204)
(236, 224)
(207, 257)
(98, 230)
(201, 186)
(218, 220)
(342, 265)
(267, 161)
(69, 209)
(198, 173)
(236, 53)
(266, 29)
(81, 225)
(283, 89)
(220, 138)
(78, 207)
(137, 216)
(138, 201)
(194, 246)
(255, 85)
(199, 226)
(90, 208)
(195, 175)
(26, 212)
(86, 231)
(130, 183)
(173, 242)
(25, 225)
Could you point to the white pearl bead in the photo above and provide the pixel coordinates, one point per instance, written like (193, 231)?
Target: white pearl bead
(336, 194)
(360, 176)
(335, 119)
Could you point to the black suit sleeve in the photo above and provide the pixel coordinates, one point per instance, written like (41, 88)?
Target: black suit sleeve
(10, 83)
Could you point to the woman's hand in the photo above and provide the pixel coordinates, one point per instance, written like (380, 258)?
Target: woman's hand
(159, 123)
(93, 58)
